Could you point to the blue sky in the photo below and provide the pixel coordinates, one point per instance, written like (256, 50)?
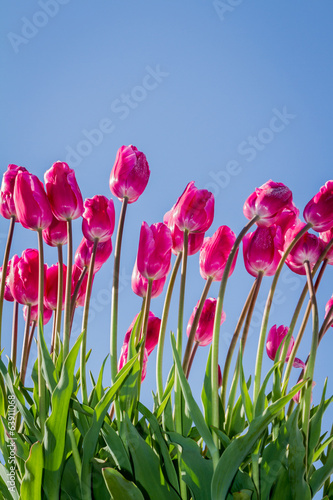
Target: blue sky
(228, 94)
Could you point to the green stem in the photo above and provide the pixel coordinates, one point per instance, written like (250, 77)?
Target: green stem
(4, 267)
(164, 320)
(40, 317)
(85, 324)
(55, 345)
(25, 350)
(75, 451)
(250, 311)
(216, 333)
(194, 326)
(190, 361)
(76, 291)
(262, 337)
(14, 334)
(114, 300)
(67, 314)
(138, 335)
(144, 334)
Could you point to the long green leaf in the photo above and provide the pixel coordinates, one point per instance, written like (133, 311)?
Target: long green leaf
(119, 487)
(320, 475)
(116, 448)
(49, 370)
(296, 466)
(206, 394)
(31, 487)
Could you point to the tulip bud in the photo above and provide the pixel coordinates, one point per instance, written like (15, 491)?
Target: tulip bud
(23, 277)
(76, 274)
(194, 209)
(8, 294)
(261, 250)
(140, 284)
(195, 240)
(274, 338)
(98, 218)
(130, 174)
(47, 313)
(7, 205)
(205, 328)
(153, 332)
(308, 248)
(56, 233)
(84, 252)
(31, 203)
(319, 210)
(51, 287)
(268, 202)
(154, 252)
(123, 360)
(214, 253)
(63, 192)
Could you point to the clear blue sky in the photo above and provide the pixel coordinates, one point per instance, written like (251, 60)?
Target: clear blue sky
(227, 96)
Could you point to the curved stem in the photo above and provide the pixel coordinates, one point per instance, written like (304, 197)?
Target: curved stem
(85, 324)
(114, 300)
(164, 320)
(76, 291)
(5, 265)
(250, 311)
(188, 354)
(14, 334)
(25, 350)
(67, 314)
(190, 361)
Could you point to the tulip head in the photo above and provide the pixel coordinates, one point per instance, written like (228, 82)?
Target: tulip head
(205, 328)
(23, 277)
(154, 252)
(195, 240)
(7, 204)
(81, 296)
(51, 287)
(7, 294)
(130, 174)
(308, 248)
(140, 284)
(194, 210)
(123, 360)
(261, 250)
(319, 210)
(326, 237)
(214, 253)
(274, 338)
(98, 218)
(56, 233)
(84, 252)
(153, 332)
(47, 314)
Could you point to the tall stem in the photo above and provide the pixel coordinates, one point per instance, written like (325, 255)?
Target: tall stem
(14, 334)
(144, 333)
(250, 311)
(164, 320)
(5, 265)
(190, 361)
(40, 316)
(114, 300)
(25, 349)
(58, 313)
(67, 315)
(85, 324)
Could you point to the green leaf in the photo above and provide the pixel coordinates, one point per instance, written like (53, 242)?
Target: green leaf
(119, 487)
(261, 400)
(315, 424)
(206, 394)
(320, 475)
(239, 448)
(166, 394)
(5, 485)
(282, 487)
(247, 403)
(31, 486)
(21, 447)
(296, 467)
(116, 448)
(49, 370)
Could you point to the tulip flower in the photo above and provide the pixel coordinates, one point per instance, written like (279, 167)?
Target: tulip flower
(204, 331)
(261, 250)
(56, 233)
(63, 192)
(84, 251)
(98, 218)
(123, 360)
(7, 205)
(140, 284)
(130, 174)
(214, 253)
(319, 210)
(268, 201)
(23, 277)
(51, 286)
(194, 210)
(308, 248)
(32, 205)
(326, 237)
(7, 293)
(47, 314)
(76, 274)
(274, 338)
(195, 240)
(288, 218)
(297, 396)
(154, 252)
(153, 332)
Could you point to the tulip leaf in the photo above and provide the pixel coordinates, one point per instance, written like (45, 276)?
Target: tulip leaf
(296, 466)
(239, 448)
(4, 485)
(21, 447)
(247, 403)
(261, 399)
(98, 391)
(116, 448)
(319, 476)
(119, 487)
(166, 394)
(31, 486)
(49, 370)
(206, 394)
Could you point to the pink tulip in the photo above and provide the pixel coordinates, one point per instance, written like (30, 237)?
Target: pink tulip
(153, 332)
(308, 248)
(51, 286)
(47, 314)
(84, 251)
(154, 252)
(204, 332)
(195, 240)
(219, 376)
(123, 360)
(8, 294)
(319, 210)
(7, 205)
(261, 250)
(326, 237)
(63, 192)
(214, 253)
(297, 396)
(328, 308)
(76, 273)
(98, 218)
(32, 205)
(194, 209)
(130, 174)
(23, 277)
(56, 233)
(287, 218)
(268, 201)
(140, 284)
(274, 338)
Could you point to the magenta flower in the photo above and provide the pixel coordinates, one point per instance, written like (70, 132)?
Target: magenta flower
(8, 294)
(130, 174)
(63, 192)
(326, 237)
(274, 338)
(195, 240)
(204, 332)
(51, 286)
(98, 218)
(154, 252)
(268, 201)
(297, 396)
(194, 209)
(214, 253)
(32, 205)
(219, 376)
(47, 314)
(84, 252)
(140, 284)
(328, 309)
(287, 218)
(153, 332)
(76, 273)
(308, 248)
(56, 233)
(319, 210)
(7, 204)
(261, 250)
(123, 360)
(23, 277)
